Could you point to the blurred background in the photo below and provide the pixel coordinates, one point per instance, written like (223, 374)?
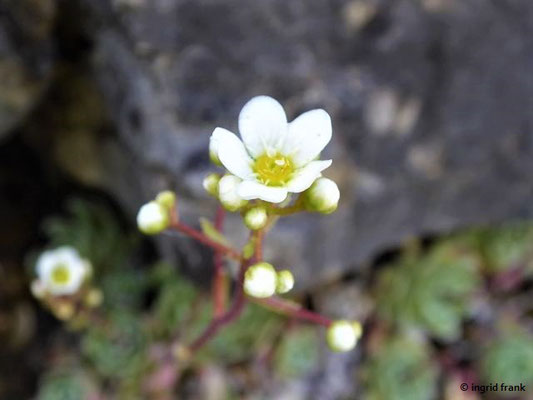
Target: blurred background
(103, 103)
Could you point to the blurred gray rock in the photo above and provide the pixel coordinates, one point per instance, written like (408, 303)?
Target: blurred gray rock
(432, 105)
(26, 57)
(431, 101)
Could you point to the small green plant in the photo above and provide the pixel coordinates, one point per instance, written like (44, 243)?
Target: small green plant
(401, 369)
(507, 246)
(61, 385)
(142, 329)
(509, 359)
(430, 291)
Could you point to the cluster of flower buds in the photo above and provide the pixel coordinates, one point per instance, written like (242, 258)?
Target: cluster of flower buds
(271, 161)
(155, 216)
(261, 280)
(63, 282)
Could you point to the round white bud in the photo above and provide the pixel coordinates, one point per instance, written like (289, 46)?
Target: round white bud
(256, 218)
(167, 199)
(285, 281)
(343, 335)
(153, 218)
(227, 193)
(260, 280)
(323, 196)
(210, 184)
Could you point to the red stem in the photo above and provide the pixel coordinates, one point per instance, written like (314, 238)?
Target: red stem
(296, 311)
(235, 310)
(219, 292)
(199, 236)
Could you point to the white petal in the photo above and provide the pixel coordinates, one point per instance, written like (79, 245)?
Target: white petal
(303, 178)
(307, 137)
(263, 125)
(232, 154)
(45, 263)
(250, 190)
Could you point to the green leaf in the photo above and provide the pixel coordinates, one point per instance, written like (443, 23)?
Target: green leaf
(240, 340)
(212, 233)
(117, 350)
(173, 304)
(430, 291)
(506, 246)
(93, 230)
(62, 386)
(297, 354)
(401, 370)
(509, 360)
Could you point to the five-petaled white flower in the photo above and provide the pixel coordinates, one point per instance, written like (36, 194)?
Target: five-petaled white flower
(62, 271)
(274, 157)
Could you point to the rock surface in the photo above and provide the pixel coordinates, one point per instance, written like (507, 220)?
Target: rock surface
(431, 102)
(26, 57)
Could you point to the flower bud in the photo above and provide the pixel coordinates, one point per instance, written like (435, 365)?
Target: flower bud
(323, 196)
(260, 280)
(213, 149)
(256, 218)
(343, 335)
(94, 298)
(227, 193)
(38, 289)
(63, 310)
(153, 218)
(210, 184)
(167, 199)
(285, 281)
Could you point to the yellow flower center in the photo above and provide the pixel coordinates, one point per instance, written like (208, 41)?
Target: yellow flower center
(273, 170)
(60, 274)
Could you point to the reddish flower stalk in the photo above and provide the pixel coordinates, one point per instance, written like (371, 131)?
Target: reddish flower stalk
(234, 311)
(293, 310)
(199, 236)
(258, 253)
(219, 278)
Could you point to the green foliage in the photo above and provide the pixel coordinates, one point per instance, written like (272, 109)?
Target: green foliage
(212, 233)
(506, 246)
(174, 301)
(116, 350)
(430, 291)
(93, 230)
(401, 370)
(62, 386)
(509, 360)
(297, 354)
(124, 288)
(241, 339)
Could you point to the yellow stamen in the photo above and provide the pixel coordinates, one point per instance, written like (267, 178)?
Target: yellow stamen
(273, 170)
(60, 274)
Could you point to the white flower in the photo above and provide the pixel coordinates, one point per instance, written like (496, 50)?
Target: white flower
(256, 218)
(285, 281)
(274, 157)
(323, 196)
(153, 218)
(227, 193)
(343, 335)
(62, 271)
(260, 280)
